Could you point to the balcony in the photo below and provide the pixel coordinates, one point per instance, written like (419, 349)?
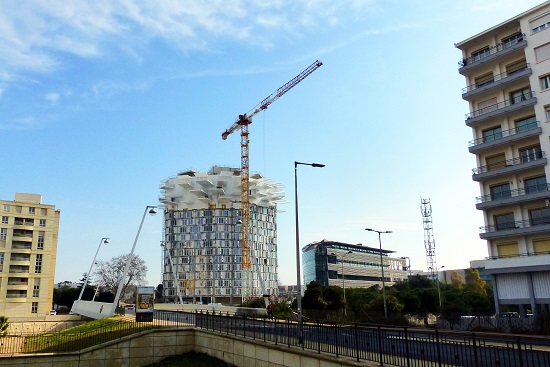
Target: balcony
(22, 235)
(505, 137)
(21, 245)
(499, 80)
(512, 264)
(514, 229)
(499, 50)
(510, 105)
(513, 197)
(509, 166)
(19, 269)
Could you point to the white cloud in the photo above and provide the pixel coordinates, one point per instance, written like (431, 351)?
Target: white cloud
(52, 97)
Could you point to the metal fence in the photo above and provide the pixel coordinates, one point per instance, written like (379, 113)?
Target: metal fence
(396, 346)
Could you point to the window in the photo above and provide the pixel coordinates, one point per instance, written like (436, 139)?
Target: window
(495, 162)
(7, 208)
(512, 40)
(541, 246)
(1, 261)
(507, 249)
(481, 53)
(530, 154)
(34, 307)
(544, 82)
(4, 220)
(500, 191)
(526, 124)
(516, 66)
(40, 243)
(494, 133)
(36, 291)
(504, 221)
(542, 53)
(484, 79)
(539, 216)
(540, 24)
(536, 184)
(38, 264)
(3, 233)
(520, 95)
(32, 210)
(547, 112)
(42, 222)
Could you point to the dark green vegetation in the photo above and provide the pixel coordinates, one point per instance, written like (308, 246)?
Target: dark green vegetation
(281, 308)
(192, 359)
(417, 296)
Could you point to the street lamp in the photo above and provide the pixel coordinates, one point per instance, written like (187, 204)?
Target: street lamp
(175, 270)
(437, 282)
(344, 278)
(382, 267)
(104, 240)
(298, 277)
(152, 210)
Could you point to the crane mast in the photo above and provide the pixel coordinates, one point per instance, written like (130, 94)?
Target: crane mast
(242, 122)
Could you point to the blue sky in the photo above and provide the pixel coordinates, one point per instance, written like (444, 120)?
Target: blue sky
(100, 101)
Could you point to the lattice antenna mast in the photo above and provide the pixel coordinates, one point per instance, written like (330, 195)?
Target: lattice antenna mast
(242, 123)
(429, 242)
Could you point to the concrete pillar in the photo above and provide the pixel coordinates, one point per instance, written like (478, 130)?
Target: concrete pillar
(495, 294)
(534, 310)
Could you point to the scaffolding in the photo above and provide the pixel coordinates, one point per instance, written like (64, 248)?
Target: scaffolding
(429, 242)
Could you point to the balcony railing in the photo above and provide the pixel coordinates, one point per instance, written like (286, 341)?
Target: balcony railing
(515, 225)
(512, 193)
(509, 162)
(530, 126)
(16, 295)
(492, 50)
(496, 78)
(523, 254)
(500, 105)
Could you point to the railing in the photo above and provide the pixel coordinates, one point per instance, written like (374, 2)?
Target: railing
(522, 254)
(515, 225)
(512, 193)
(500, 105)
(18, 283)
(492, 50)
(530, 126)
(496, 78)
(509, 162)
(11, 295)
(398, 346)
(20, 259)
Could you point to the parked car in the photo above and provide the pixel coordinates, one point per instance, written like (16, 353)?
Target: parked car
(53, 312)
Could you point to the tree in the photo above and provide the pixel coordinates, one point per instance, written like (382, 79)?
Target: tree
(474, 283)
(456, 280)
(4, 325)
(313, 297)
(109, 273)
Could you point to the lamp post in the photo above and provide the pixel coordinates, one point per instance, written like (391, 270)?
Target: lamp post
(152, 210)
(298, 277)
(437, 282)
(104, 240)
(175, 270)
(381, 267)
(344, 279)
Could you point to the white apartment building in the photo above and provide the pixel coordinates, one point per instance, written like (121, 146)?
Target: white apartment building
(202, 246)
(507, 71)
(28, 248)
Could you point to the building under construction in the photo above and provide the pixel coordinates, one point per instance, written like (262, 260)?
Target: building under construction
(203, 232)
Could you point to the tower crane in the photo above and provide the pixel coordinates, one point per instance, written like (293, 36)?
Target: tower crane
(242, 122)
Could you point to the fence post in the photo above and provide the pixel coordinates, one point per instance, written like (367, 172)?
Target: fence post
(244, 326)
(380, 346)
(318, 337)
(438, 346)
(476, 363)
(520, 358)
(264, 328)
(288, 332)
(356, 340)
(407, 354)
(336, 339)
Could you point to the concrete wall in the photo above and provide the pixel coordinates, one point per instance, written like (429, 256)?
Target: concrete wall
(152, 346)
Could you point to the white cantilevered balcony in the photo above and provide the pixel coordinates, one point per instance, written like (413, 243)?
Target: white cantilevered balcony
(515, 228)
(509, 166)
(498, 81)
(501, 108)
(505, 137)
(513, 197)
(513, 45)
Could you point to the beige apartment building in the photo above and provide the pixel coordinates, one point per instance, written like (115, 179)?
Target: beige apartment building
(507, 72)
(28, 247)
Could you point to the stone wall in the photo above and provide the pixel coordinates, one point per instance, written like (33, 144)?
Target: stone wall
(152, 346)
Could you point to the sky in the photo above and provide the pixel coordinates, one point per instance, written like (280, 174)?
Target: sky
(100, 101)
